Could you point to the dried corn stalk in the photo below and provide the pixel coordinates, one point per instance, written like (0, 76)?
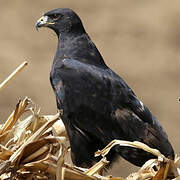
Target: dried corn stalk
(34, 147)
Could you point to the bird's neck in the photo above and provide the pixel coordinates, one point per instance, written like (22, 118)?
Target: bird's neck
(79, 47)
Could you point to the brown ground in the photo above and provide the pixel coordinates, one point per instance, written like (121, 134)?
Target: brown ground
(140, 40)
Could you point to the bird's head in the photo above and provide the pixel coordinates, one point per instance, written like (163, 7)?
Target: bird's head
(61, 20)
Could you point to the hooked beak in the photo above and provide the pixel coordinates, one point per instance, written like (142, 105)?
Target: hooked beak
(43, 22)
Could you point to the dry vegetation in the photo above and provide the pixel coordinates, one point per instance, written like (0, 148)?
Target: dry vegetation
(34, 147)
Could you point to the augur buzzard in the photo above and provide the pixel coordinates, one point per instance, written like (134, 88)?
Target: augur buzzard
(98, 106)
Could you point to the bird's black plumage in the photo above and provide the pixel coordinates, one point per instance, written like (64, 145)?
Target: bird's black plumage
(98, 106)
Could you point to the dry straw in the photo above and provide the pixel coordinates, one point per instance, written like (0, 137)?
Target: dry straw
(34, 147)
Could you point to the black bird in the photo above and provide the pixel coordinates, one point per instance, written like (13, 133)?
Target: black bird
(98, 106)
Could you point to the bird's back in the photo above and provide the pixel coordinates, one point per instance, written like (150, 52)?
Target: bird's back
(100, 107)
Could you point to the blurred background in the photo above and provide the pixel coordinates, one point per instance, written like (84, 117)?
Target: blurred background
(140, 40)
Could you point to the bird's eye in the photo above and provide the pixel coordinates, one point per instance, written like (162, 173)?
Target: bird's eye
(55, 16)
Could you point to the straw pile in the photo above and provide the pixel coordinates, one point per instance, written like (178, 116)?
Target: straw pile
(34, 147)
